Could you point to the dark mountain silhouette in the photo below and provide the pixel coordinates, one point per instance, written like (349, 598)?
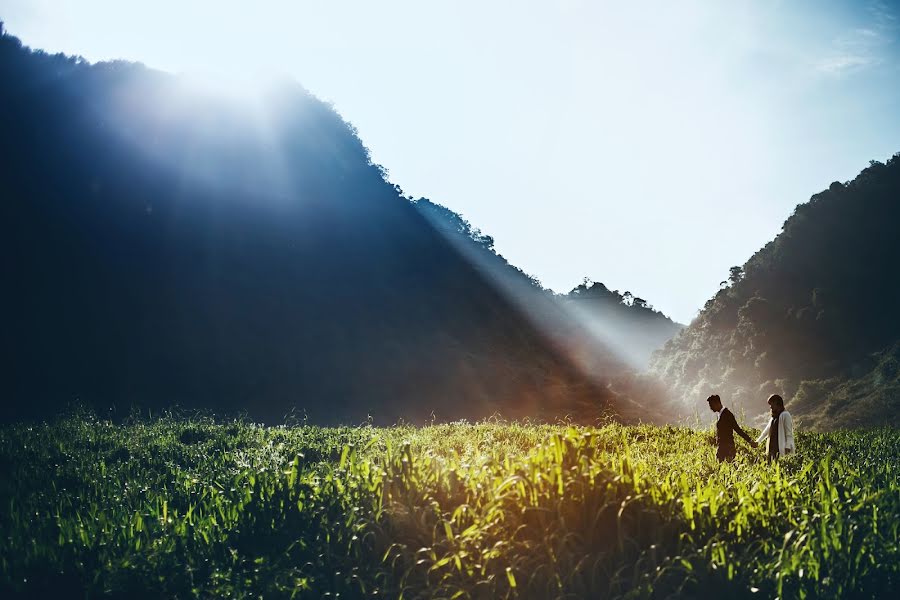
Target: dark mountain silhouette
(813, 315)
(163, 247)
(587, 322)
(622, 321)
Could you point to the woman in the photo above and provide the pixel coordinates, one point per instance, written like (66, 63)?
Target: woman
(779, 431)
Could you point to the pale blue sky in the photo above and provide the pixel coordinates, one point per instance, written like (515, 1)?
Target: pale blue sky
(648, 145)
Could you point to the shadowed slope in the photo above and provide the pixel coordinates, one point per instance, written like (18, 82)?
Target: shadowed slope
(166, 247)
(603, 331)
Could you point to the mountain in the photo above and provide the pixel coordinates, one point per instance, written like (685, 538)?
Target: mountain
(622, 321)
(813, 315)
(602, 330)
(165, 246)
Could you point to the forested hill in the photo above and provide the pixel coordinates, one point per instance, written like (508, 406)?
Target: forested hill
(814, 315)
(587, 321)
(622, 320)
(163, 246)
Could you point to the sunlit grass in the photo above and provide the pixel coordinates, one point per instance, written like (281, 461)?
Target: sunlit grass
(191, 507)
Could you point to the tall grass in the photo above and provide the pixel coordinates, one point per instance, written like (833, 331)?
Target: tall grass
(194, 508)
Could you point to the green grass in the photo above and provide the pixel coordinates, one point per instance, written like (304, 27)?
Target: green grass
(194, 508)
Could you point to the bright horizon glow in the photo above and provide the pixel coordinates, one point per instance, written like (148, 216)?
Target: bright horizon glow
(242, 87)
(649, 146)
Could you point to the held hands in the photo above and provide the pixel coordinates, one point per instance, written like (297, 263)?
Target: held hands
(754, 444)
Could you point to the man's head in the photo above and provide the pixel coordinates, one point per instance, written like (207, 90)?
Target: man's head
(715, 403)
(776, 403)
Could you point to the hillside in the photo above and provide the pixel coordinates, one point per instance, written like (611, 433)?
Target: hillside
(588, 322)
(620, 320)
(164, 246)
(813, 315)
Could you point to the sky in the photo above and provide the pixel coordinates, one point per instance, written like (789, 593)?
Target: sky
(646, 145)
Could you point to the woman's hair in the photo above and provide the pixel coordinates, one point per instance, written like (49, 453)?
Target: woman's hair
(777, 399)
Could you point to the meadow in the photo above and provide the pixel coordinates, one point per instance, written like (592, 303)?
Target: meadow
(195, 507)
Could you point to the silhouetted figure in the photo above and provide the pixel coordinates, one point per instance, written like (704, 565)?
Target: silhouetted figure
(726, 426)
(780, 430)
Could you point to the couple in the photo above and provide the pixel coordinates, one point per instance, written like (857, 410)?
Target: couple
(779, 431)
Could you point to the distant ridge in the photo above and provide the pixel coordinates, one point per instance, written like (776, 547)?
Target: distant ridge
(589, 314)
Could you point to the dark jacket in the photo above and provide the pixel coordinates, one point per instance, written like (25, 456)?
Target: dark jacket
(726, 427)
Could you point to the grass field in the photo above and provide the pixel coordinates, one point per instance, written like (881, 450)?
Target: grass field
(193, 508)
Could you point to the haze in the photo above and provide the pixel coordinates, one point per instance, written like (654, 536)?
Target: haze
(649, 146)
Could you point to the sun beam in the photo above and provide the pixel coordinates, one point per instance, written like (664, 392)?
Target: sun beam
(239, 86)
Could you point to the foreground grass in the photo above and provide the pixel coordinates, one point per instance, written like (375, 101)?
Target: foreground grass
(192, 508)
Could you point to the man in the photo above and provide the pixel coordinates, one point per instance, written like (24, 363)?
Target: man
(780, 430)
(726, 426)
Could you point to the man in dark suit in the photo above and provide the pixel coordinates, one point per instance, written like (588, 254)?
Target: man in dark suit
(726, 427)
